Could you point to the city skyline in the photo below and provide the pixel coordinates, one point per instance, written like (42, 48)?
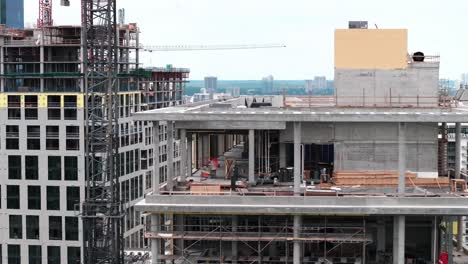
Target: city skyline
(307, 33)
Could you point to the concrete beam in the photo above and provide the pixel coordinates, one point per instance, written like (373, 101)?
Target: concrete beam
(435, 115)
(234, 125)
(293, 205)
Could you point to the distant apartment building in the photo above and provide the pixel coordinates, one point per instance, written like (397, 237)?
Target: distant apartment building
(211, 84)
(233, 91)
(318, 83)
(203, 95)
(12, 13)
(42, 108)
(451, 147)
(268, 86)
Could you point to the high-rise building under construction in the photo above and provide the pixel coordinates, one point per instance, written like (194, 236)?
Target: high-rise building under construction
(43, 143)
(356, 177)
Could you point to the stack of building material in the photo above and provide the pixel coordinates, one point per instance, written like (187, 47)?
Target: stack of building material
(205, 189)
(384, 178)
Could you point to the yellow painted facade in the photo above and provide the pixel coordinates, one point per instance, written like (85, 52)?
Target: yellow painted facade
(371, 48)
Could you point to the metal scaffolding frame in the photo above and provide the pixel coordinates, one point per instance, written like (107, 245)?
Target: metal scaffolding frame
(102, 209)
(182, 240)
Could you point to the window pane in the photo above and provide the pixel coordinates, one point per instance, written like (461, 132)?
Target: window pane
(13, 197)
(71, 228)
(34, 197)
(71, 168)
(16, 226)
(73, 197)
(55, 228)
(32, 168)
(53, 255)
(14, 167)
(14, 254)
(73, 255)
(35, 255)
(55, 168)
(32, 227)
(53, 198)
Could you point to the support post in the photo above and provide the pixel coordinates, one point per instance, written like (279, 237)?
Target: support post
(402, 158)
(282, 155)
(156, 176)
(170, 156)
(199, 150)
(398, 239)
(457, 150)
(251, 156)
(297, 243)
(183, 155)
(189, 155)
(234, 249)
(297, 158)
(220, 145)
(155, 242)
(435, 239)
(380, 239)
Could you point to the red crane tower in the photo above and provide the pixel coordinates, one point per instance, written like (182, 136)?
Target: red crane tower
(45, 14)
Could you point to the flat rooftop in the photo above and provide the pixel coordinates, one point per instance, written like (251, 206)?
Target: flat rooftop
(234, 110)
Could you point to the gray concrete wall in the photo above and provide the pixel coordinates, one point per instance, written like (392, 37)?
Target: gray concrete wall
(415, 86)
(372, 146)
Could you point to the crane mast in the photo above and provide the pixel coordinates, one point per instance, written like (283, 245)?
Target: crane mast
(102, 211)
(45, 14)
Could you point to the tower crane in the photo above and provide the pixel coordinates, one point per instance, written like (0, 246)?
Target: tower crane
(45, 14)
(209, 47)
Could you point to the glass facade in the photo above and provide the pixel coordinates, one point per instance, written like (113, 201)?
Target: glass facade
(12, 13)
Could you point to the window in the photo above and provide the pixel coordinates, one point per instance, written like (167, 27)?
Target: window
(32, 168)
(73, 138)
(53, 198)
(71, 228)
(12, 137)
(32, 227)
(14, 167)
(16, 226)
(14, 254)
(35, 254)
(70, 103)
(55, 228)
(71, 168)
(73, 255)
(34, 197)
(30, 104)
(34, 140)
(52, 137)
(73, 197)
(13, 197)
(14, 107)
(53, 107)
(53, 255)
(55, 168)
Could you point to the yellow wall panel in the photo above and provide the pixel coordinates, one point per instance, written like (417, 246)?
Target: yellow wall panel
(42, 101)
(371, 48)
(3, 100)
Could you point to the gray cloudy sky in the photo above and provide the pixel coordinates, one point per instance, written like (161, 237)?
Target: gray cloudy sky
(305, 26)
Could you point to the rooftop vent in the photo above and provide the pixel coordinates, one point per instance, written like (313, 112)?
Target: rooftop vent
(357, 24)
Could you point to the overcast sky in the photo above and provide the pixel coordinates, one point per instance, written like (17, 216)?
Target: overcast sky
(305, 26)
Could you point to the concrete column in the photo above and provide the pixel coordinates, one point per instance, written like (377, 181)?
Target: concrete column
(156, 177)
(434, 243)
(460, 233)
(457, 150)
(297, 244)
(220, 145)
(251, 156)
(398, 239)
(183, 155)
(170, 156)
(234, 249)
(199, 149)
(402, 157)
(189, 155)
(282, 155)
(380, 237)
(155, 242)
(205, 148)
(297, 157)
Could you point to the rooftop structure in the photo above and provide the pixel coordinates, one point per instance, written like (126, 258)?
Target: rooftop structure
(314, 179)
